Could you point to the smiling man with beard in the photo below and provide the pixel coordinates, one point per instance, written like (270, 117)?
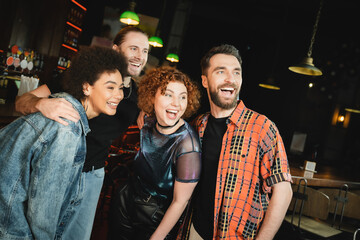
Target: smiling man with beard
(243, 160)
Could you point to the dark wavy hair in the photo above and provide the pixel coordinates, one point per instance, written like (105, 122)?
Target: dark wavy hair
(120, 36)
(159, 78)
(88, 65)
(222, 49)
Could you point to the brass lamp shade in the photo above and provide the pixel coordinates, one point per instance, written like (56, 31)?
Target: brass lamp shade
(270, 83)
(352, 110)
(306, 67)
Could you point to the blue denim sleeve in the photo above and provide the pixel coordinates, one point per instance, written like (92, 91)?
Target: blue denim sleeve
(56, 169)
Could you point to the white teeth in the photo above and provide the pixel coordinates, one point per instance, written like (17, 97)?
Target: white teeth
(136, 64)
(172, 111)
(113, 104)
(227, 89)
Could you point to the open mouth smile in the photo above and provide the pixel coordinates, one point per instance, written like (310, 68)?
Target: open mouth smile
(113, 104)
(135, 64)
(227, 91)
(172, 114)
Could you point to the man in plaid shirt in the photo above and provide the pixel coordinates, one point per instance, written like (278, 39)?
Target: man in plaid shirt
(245, 173)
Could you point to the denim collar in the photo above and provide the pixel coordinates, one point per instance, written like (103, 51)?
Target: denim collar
(77, 105)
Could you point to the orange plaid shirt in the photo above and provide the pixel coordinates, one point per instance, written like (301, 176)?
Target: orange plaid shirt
(252, 159)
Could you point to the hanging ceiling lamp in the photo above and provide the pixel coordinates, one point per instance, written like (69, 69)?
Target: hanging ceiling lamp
(353, 110)
(307, 67)
(270, 84)
(172, 57)
(130, 17)
(156, 41)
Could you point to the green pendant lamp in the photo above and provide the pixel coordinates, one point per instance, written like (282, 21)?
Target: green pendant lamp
(130, 17)
(156, 41)
(172, 57)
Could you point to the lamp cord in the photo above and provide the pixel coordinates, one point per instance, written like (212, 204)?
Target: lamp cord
(315, 29)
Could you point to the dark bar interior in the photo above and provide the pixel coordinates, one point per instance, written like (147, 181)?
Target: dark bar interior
(318, 116)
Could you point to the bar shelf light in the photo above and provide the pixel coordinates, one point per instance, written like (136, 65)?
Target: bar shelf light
(79, 5)
(68, 47)
(74, 26)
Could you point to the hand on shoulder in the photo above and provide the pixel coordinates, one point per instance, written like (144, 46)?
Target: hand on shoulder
(55, 108)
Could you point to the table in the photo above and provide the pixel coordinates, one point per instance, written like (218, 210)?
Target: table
(325, 176)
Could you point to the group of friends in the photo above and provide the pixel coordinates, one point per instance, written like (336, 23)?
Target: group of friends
(224, 175)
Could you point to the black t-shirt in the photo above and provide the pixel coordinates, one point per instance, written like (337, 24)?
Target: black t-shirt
(203, 218)
(105, 128)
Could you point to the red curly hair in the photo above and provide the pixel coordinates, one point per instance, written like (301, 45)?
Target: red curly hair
(160, 78)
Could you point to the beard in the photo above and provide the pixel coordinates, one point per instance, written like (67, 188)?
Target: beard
(215, 98)
(131, 70)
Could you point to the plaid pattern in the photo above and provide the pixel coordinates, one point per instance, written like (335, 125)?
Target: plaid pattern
(252, 159)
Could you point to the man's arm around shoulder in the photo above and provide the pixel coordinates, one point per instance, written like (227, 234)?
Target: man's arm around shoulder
(52, 108)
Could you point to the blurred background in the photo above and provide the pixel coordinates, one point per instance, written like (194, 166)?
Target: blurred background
(311, 112)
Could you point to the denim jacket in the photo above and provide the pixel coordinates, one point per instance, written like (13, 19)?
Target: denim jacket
(40, 168)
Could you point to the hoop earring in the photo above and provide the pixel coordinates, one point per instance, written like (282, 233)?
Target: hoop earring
(85, 104)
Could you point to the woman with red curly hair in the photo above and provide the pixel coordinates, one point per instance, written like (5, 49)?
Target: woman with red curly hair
(168, 164)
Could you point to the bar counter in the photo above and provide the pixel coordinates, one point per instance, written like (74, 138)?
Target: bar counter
(325, 176)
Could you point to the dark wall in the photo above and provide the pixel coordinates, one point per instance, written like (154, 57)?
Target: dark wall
(37, 25)
(273, 36)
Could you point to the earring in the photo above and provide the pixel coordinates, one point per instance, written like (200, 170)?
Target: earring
(85, 104)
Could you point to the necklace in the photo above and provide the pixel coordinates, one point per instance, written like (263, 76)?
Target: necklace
(168, 126)
(130, 91)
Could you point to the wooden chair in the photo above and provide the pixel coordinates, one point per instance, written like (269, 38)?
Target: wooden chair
(309, 210)
(357, 191)
(352, 209)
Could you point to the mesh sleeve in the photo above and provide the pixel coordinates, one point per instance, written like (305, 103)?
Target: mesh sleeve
(188, 163)
(188, 167)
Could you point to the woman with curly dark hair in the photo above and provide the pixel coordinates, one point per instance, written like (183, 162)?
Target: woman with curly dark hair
(167, 166)
(42, 183)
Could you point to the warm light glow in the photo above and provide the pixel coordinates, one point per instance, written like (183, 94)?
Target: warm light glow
(74, 26)
(341, 118)
(81, 6)
(335, 116)
(129, 21)
(155, 44)
(352, 110)
(172, 59)
(68, 47)
(269, 86)
(311, 85)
